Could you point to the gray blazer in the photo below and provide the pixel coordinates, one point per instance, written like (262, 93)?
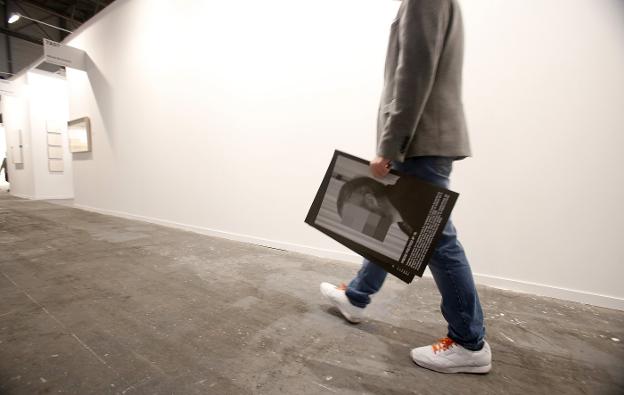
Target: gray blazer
(421, 111)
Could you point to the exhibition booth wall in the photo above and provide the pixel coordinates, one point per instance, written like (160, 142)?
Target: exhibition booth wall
(36, 118)
(3, 150)
(15, 115)
(221, 117)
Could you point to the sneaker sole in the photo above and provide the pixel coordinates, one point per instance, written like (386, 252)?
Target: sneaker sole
(461, 369)
(346, 315)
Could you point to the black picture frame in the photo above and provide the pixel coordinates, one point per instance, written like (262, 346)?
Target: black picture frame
(429, 208)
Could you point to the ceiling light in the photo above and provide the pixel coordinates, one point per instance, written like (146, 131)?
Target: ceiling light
(14, 17)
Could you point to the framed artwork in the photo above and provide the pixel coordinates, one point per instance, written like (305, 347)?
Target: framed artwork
(55, 126)
(17, 151)
(56, 165)
(79, 133)
(55, 139)
(55, 145)
(393, 221)
(55, 152)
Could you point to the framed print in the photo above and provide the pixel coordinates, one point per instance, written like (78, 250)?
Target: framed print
(55, 126)
(55, 165)
(79, 133)
(55, 139)
(17, 151)
(55, 152)
(393, 221)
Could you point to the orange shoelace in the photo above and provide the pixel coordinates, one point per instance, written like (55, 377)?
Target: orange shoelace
(342, 287)
(442, 345)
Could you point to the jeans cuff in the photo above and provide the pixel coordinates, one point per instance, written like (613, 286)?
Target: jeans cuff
(474, 346)
(350, 296)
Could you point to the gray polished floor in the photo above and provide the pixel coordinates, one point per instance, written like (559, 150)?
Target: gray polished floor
(92, 304)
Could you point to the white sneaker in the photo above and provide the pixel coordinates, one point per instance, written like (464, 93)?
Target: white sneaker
(337, 297)
(446, 356)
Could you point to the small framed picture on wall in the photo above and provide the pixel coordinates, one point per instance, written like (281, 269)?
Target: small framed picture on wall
(79, 133)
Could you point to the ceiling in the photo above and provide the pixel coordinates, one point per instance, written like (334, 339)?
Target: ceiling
(21, 42)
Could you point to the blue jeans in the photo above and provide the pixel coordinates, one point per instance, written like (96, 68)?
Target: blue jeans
(450, 268)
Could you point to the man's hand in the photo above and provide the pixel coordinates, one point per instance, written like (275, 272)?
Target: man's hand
(380, 167)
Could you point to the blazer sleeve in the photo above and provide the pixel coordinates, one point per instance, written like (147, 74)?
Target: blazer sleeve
(422, 29)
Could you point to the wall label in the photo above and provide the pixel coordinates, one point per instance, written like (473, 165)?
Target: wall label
(63, 55)
(7, 88)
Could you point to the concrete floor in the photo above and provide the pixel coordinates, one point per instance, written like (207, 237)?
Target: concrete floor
(91, 304)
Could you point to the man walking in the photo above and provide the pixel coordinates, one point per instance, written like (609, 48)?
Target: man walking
(421, 131)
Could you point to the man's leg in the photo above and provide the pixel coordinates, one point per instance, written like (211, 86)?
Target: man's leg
(460, 302)
(368, 281)
(350, 300)
(449, 266)
(464, 350)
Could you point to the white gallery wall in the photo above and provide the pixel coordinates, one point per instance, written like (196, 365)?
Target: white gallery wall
(49, 111)
(16, 118)
(40, 105)
(3, 153)
(542, 199)
(3, 147)
(225, 124)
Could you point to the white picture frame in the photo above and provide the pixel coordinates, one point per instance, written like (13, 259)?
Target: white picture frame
(55, 126)
(17, 152)
(55, 139)
(79, 134)
(55, 152)
(56, 165)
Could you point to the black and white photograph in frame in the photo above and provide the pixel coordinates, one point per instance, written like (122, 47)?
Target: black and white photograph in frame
(394, 221)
